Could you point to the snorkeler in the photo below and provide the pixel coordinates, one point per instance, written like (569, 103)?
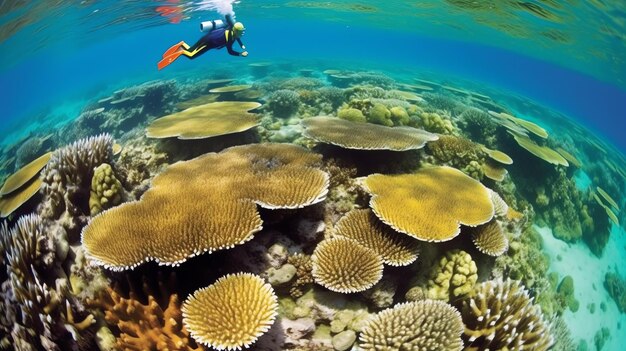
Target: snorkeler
(220, 34)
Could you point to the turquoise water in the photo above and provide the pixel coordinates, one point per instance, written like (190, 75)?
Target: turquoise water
(540, 81)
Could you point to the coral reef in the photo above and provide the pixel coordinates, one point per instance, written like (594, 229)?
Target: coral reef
(421, 325)
(106, 190)
(304, 277)
(365, 136)
(232, 312)
(18, 179)
(453, 277)
(501, 315)
(342, 265)
(435, 123)
(454, 151)
(205, 121)
(232, 183)
(351, 114)
(445, 196)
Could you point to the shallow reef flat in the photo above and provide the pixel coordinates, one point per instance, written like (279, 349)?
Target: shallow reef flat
(289, 206)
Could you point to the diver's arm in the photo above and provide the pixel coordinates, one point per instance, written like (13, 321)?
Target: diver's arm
(241, 44)
(229, 47)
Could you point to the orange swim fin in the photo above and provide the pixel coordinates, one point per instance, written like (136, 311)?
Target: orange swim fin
(169, 59)
(173, 49)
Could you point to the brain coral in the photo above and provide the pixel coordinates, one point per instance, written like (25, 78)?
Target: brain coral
(430, 204)
(454, 276)
(419, 325)
(501, 316)
(209, 203)
(365, 136)
(205, 121)
(342, 265)
(363, 226)
(231, 313)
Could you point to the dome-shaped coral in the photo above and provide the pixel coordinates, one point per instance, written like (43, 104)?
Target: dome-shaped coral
(365, 136)
(232, 313)
(489, 238)
(501, 316)
(205, 121)
(205, 204)
(419, 325)
(430, 204)
(342, 265)
(363, 226)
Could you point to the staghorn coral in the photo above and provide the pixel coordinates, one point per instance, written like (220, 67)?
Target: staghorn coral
(106, 190)
(206, 121)
(453, 277)
(478, 126)
(489, 238)
(232, 312)
(210, 202)
(304, 277)
(445, 197)
(283, 103)
(420, 325)
(39, 311)
(153, 323)
(342, 265)
(501, 315)
(67, 178)
(364, 227)
(365, 136)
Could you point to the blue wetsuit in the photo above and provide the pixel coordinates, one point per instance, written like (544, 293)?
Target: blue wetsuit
(216, 39)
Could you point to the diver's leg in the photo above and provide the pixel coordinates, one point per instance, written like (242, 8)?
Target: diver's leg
(192, 52)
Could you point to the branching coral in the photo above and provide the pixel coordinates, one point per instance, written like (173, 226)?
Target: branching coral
(40, 311)
(67, 177)
(445, 197)
(304, 277)
(210, 203)
(342, 265)
(455, 151)
(152, 324)
(231, 313)
(501, 315)
(283, 103)
(454, 276)
(421, 325)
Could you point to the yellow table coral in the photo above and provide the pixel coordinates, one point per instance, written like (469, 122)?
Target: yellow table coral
(204, 205)
(431, 204)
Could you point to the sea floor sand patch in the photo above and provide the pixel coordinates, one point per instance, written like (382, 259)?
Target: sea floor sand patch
(588, 272)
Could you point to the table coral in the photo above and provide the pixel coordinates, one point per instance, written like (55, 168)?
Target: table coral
(445, 196)
(454, 276)
(231, 183)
